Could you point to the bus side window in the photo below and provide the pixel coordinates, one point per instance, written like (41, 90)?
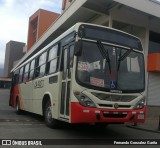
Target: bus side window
(36, 70)
(52, 60)
(31, 70)
(25, 79)
(21, 75)
(40, 65)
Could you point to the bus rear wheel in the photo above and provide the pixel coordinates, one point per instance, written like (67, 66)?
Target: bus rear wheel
(50, 122)
(18, 110)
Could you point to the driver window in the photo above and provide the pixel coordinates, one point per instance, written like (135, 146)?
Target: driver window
(132, 64)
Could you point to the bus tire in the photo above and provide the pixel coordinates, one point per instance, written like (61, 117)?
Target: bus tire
(50, 122)
(18, 110)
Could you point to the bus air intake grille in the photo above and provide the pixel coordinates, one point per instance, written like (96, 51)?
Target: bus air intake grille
(105, 105)
(110, 105)
(114, 97)
(114, 115)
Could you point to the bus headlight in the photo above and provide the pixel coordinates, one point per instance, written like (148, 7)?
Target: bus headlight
(140, 104)
(85, 101)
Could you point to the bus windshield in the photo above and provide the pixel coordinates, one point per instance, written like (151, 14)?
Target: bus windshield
(96, 71)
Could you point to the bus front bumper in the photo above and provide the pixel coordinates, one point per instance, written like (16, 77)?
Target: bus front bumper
(81, 114)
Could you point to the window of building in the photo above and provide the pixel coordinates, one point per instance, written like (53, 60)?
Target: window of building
(34, 24)
(154, 42)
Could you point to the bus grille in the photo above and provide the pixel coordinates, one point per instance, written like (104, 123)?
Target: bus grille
(110, 105)
(114, 115)
(114, 97)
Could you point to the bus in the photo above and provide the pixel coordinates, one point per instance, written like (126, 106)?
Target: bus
(89, 74)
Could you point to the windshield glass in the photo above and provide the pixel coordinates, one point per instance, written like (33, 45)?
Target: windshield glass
(93, 70)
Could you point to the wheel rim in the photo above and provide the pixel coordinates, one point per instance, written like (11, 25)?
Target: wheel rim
(49, 114)
(17, 108)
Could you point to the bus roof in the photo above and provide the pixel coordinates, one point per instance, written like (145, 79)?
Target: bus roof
(28, 56)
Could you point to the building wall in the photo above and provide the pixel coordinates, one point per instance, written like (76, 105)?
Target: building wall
(45, 20)
(7, 61)
(153, 98)
(39, 22)
(14, 52)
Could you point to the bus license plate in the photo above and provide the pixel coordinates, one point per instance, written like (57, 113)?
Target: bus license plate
(141, 116)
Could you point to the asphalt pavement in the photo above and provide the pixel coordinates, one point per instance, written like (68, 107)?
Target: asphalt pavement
(151, 125)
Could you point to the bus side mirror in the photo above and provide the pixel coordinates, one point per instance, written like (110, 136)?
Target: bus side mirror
(78, 48)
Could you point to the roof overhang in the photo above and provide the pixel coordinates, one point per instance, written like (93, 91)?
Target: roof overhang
(151, 7)
(79, 11)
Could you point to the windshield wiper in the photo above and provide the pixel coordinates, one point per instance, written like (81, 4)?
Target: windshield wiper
(104, 53)
(121, 58)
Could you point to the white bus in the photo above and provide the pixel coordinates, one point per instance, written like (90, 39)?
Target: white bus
(89, 74)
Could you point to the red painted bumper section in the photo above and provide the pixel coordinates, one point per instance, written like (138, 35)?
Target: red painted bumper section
(81, 114)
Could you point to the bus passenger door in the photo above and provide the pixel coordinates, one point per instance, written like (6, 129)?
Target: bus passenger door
(67, 63)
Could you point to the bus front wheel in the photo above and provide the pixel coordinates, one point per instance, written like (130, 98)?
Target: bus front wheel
(50, 122)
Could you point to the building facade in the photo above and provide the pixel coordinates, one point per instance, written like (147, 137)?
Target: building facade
(14, 52)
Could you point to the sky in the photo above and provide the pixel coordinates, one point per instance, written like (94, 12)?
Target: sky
(14, 16)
